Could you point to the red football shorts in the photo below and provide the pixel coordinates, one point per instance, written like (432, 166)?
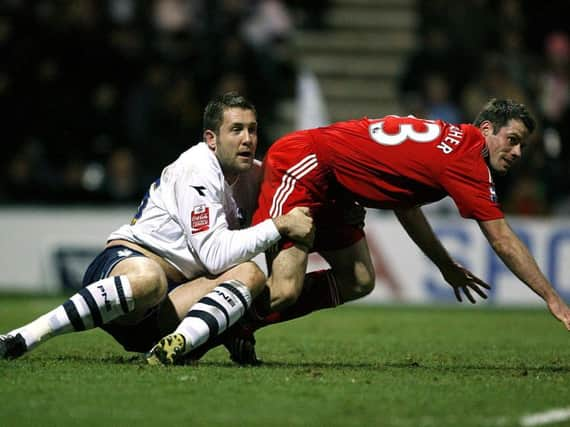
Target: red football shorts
(294, 177)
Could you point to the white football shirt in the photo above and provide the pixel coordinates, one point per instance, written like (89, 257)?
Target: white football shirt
(192, 218)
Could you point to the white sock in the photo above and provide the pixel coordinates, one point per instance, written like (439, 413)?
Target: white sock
(214, 313)
(93, 306)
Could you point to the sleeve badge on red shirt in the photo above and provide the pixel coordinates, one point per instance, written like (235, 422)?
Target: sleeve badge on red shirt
(200, 219)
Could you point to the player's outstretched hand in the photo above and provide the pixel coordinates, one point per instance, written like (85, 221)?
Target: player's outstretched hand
(560, 310)
(463, 281)
(297, 225)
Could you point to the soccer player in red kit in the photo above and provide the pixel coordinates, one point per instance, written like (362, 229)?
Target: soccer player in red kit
(398, 163)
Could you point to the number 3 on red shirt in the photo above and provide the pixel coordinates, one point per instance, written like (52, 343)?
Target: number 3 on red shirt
(405, 131)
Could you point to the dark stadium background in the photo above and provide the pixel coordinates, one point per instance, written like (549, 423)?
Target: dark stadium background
(97, 96)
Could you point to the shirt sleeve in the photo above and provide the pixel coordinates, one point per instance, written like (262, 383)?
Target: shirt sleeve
(469, 183)
(199, 199)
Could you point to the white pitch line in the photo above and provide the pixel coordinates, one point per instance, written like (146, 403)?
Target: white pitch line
(547, 417)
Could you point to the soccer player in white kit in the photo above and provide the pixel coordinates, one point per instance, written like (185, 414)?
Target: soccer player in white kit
(182, 265)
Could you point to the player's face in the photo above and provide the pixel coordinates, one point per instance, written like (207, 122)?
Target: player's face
(505, 147)
(236, 142)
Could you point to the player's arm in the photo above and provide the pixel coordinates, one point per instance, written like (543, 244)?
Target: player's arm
(220, 248)
(461, 280)
(201, 214)
(518, 259)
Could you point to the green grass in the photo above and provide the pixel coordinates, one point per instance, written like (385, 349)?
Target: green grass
(351, 366)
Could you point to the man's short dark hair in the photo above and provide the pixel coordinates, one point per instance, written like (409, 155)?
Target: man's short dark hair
(214, 111)
(500, 111)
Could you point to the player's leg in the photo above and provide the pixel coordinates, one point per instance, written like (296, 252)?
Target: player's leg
(287, 268)
(352, 270)
(294, 294)
(211, 315)
(350, 277)
(238, 341)
(119, 284)
(283, 288)
(292, 178)
(141, 330)
(287, 272)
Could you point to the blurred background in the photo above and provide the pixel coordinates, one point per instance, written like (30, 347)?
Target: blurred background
(97, 96)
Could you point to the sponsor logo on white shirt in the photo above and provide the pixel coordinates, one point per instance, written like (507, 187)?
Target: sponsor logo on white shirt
(200, 219)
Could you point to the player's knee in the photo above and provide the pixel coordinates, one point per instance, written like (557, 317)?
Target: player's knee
(148, 281)
(359, 283)
(252, 276)
(364, 279)
(364, 288)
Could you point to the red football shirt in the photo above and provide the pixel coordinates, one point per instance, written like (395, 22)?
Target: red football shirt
(405, 161)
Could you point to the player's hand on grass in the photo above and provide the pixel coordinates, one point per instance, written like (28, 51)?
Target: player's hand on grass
(297, 225)
(463, 281)
(560, 310)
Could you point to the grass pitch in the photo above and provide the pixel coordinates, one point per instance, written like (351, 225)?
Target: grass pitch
(350, 366)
